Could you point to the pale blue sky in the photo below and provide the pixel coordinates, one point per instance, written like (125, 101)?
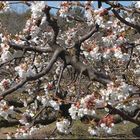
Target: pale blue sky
(21, 7)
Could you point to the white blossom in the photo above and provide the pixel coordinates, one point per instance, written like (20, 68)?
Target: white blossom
(36, 9)
(92, 132)
(63, 126)
(5, 84)
(137, 4)
(54, 104)
(6, 56)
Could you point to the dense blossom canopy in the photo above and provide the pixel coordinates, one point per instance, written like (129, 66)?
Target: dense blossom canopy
(66, 75)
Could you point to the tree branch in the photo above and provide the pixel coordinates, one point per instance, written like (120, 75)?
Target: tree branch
(35, 77)
(87, 71)
(29, 48)
(53, 23)
(85, 37)
(137, 27)
(120, 6)
(123, 115)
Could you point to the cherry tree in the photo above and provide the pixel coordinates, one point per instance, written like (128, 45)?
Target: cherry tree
(62, 76)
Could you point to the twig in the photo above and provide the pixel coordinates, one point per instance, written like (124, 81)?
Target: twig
(131, 54)
(10, 60)
(33, 121)
(59, 79)
(137, 115)
(15, 2)
(53, 23)
(33, 58)
(79, 85)
(54, 7)
(120, 6)
(122, 114)
(52, 132)
(137, 27)
(35, 77)
(29, 48)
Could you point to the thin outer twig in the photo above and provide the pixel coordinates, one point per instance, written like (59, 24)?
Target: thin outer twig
(73, 78)
(137, 27)
(52, 132)
(123, 115)
(59, 79)
(10, 60)
(35, 77)
(28, 4)
(131, 54)
(33, 58)
(37, 116)
(120, 6)
(137, 115)
(79, 85)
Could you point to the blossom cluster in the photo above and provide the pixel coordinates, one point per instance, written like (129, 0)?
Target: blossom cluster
(105, 126)
(64, 8)
(86, 106)
(4, 6)
(31, 27)
(25, 132)
(5, 84)
(63, 126)
(24, 71)
(6, 55)
(111, 46)
(5, 110)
